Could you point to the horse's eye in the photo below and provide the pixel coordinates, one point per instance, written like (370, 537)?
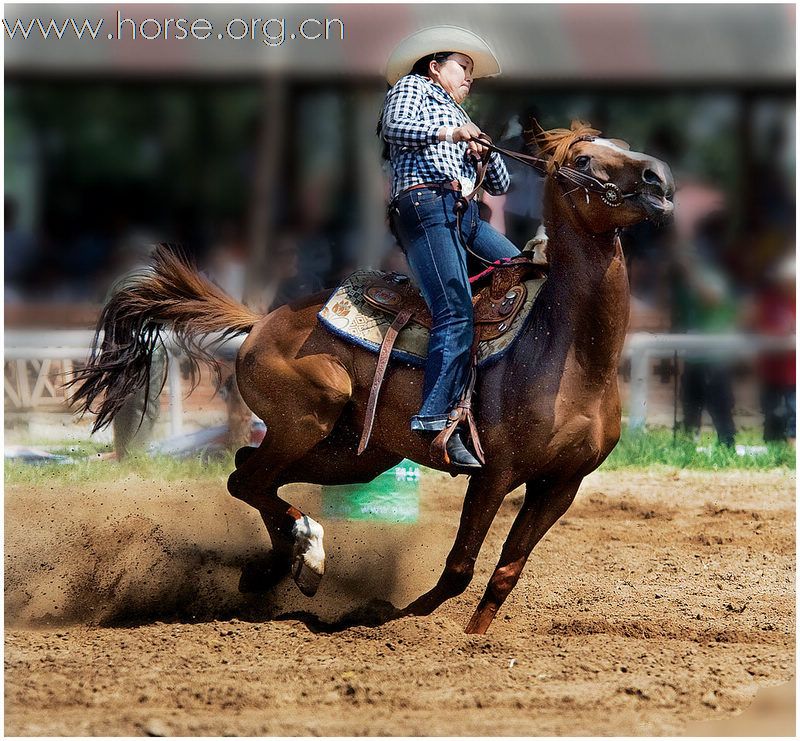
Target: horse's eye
(582, 162)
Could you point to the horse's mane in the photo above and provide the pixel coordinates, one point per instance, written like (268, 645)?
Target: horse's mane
(554, 144)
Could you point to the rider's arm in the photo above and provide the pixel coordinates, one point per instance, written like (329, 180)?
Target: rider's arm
(401, 122)
(497, 178)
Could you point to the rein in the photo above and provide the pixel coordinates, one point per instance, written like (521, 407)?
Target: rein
(610, 193)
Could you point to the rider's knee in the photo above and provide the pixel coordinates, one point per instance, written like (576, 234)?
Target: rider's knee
(458, 327)
(456, 309)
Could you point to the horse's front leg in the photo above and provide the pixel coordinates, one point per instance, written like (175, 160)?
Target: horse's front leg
(541, 508)
(481, 503)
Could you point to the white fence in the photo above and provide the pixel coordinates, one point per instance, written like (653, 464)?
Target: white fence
(642, 347)
(44, 347)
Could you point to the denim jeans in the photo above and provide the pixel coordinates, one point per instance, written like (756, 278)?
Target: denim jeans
(426, 227)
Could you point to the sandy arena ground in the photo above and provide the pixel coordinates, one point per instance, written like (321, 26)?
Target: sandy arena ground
(658, 601)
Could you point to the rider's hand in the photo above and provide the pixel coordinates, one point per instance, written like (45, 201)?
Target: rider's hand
(470, 133)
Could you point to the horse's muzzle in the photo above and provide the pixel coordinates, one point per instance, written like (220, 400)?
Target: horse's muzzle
(658, 207)
(657, 190)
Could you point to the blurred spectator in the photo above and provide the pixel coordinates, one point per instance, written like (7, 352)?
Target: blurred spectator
(774, 315)
(517, 213)
(135, 422)
(227, 262)
(291, 280)
(287, 277)
(702, 302)
(226, 265)
(310, 229)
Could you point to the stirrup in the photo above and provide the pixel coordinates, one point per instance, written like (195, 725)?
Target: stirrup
(460, 415)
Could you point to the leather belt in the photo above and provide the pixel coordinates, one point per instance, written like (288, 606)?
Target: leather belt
(451, 185)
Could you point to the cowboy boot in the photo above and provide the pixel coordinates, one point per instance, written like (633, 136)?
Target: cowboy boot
(459, 454)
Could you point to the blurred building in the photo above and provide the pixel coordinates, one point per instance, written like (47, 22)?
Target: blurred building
(110, 136)
(272, 138)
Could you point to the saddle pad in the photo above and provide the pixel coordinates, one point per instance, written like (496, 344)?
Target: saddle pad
(348, 315)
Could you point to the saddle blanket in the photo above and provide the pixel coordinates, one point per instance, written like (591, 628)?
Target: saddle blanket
(348, 315)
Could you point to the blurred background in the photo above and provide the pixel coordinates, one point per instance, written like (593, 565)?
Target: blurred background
(261, 160)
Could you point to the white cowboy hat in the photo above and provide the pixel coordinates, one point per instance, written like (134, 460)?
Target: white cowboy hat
(441, 38)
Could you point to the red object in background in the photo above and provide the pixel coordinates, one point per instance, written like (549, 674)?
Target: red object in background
(776, 316)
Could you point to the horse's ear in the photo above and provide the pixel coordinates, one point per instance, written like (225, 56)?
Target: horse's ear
(621, 144)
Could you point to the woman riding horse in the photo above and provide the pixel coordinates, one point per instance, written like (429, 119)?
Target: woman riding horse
(548, 409)
(430, 138)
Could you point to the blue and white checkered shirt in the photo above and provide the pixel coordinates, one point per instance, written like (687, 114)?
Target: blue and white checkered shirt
(414, 111)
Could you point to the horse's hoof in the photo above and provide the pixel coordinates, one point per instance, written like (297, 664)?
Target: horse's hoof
(306, 578)
(308, 561)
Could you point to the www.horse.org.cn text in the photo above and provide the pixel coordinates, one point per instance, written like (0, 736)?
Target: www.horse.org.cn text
(269, 31)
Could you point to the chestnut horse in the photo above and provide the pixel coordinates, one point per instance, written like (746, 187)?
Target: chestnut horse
(548, 411)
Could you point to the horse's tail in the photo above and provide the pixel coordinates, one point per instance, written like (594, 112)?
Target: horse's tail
(169, 294)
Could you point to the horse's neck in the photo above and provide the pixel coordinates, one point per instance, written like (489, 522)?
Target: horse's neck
(589, 286)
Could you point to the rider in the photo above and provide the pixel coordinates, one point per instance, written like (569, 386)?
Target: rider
(433, 147)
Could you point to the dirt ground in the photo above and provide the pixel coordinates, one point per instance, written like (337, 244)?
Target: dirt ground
(659, 601)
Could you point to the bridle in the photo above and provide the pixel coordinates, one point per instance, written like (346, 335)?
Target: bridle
(610, 194)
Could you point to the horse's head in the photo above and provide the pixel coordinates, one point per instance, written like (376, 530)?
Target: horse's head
(602, 184)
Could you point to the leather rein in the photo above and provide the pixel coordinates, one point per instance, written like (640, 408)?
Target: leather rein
(610, 193)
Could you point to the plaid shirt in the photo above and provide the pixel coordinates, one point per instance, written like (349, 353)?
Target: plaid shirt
(414, 111)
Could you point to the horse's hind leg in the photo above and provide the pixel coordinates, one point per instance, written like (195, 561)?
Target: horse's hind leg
(296, 538)
(297, 420)
(263, 574)
(540, 510)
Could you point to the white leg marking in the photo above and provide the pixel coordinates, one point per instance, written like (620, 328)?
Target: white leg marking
(308, 536)
(308, 563)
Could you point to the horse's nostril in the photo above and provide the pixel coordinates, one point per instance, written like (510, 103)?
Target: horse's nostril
(651, 177)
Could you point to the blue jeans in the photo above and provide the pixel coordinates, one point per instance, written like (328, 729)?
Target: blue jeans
(426, 227)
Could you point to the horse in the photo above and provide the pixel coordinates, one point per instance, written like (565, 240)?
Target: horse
(548, 412)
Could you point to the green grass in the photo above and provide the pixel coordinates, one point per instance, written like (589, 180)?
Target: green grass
(652, 449)
(92, 470)
(655, 448)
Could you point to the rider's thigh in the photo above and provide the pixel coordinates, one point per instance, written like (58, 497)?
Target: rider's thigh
(490, 244)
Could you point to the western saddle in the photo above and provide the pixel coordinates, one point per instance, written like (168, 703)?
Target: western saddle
(498, 294)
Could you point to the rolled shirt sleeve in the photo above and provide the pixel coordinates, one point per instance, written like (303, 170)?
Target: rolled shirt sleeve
(497, 180)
